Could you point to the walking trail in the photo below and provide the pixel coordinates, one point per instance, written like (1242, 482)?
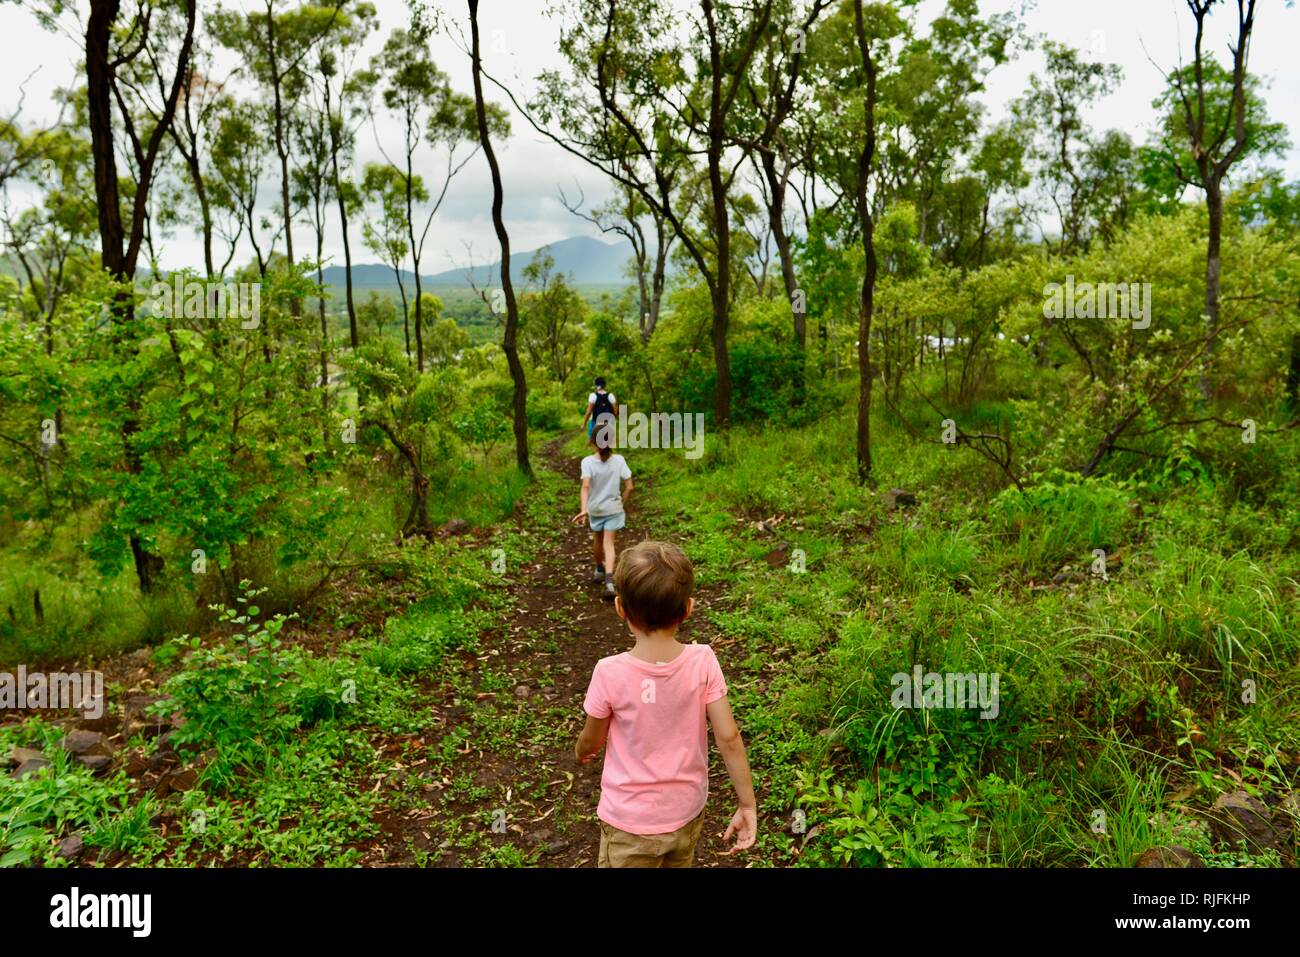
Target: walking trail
(528, 678)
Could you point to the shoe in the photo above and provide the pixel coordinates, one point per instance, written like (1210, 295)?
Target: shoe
(609, 593)
(598, 575)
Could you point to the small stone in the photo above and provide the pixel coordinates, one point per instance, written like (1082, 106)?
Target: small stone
(899, 498)
(94, 710)
(184, 780)
(1239, 817)
(85, 742)
(71, 847)
(1171, 856)
(19, 755)
(457, 526)
(164, 760)
(137, 765)
(137, 720)
(95, 762)
(778, 557)
(522, 691)
(30, 766)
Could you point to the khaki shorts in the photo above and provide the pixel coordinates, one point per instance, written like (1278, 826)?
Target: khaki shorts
(674, 849)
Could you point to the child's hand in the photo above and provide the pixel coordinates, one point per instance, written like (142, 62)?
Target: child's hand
(744, 825)
(580, 518)
(584, 758)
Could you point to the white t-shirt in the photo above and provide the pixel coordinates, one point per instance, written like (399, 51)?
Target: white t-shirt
(603, 498)
(591, 399)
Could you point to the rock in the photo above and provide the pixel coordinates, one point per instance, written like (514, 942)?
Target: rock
(899, 498)
(556, 846)
(71, 847)
(82, 742)
(1067, 574)
(19, 755)
(164, 760)
(30, 766)
(97, 763)
(137, 720)
(137, 765)
(778, 557)
(1173, 855)
(183, 780)
(1239, 817)
(1290, 810)
(457, 526)
(97, 705)
(522, 691)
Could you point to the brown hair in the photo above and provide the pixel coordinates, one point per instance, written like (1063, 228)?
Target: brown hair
(602, 437)
(654, 581)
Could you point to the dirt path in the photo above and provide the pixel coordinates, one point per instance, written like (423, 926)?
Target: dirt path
(528, 679)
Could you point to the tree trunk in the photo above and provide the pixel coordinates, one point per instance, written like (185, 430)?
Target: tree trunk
(118, 253)
(1213, 266)
(335, 146)
(509, 340)
(867, 227)
(415, 261)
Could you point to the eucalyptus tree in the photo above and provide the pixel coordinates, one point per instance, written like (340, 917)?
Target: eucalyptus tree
(239, 159)
(431, 115)
(387, 237)
(771, 98)
(1063, 153)
(625, 214)
(509, 342)
(649, 89)
(1220, 123)
(110, 50)
(347, 95)
(274, 48)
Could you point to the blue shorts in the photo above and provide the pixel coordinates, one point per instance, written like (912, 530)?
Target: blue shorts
(607, 523)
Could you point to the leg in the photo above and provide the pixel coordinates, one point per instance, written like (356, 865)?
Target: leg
(596, 548)
(684, 840)
(621, 849)
(609, 551)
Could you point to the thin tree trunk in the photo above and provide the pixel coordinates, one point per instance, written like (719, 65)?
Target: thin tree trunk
(509, 345)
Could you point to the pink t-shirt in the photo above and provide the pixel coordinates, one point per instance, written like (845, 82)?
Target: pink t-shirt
(656, 776)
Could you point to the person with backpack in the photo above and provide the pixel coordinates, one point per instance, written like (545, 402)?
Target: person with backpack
(599, 403)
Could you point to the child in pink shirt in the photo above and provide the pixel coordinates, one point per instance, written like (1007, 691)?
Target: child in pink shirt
(648, 708)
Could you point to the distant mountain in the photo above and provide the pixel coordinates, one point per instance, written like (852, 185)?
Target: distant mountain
(581, 259)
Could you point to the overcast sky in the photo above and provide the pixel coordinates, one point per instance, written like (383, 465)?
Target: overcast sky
(1142, 36)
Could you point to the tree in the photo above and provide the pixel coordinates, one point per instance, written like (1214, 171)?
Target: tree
(1055, 105)
(238, 160)
(636, 112)
(274, 47)
(120, 243)
(623, 214)
(771, 95)
(551, 318)
(1214, 108)
(421, 96)
(389, 237)
(347, 100)
(509, 340)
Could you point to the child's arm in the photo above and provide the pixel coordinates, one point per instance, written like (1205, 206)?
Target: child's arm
(627, 490)
(744, 824)
(592, 739)
(590, 406)
(582, 516)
